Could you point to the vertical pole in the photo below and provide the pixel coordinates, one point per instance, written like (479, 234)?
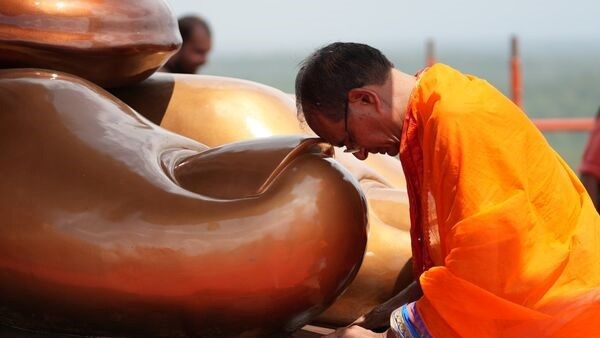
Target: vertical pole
(430, 53)
(515, 71)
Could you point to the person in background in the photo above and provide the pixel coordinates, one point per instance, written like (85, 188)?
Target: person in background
(505, 239)
(197, 43)
(589, 168)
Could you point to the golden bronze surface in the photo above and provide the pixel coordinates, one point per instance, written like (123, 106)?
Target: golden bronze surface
(218, 110)
(114, 226)
(109, 42)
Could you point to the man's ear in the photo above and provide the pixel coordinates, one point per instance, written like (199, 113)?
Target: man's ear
(364, 96)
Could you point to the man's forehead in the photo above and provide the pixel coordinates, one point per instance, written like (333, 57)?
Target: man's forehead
(332, 132)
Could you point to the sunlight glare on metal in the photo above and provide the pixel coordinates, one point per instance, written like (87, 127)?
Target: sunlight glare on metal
(257, 128)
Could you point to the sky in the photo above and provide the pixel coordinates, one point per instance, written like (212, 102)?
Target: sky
(271, 25)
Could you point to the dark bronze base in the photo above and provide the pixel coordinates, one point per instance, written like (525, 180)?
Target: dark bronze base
(308, 331)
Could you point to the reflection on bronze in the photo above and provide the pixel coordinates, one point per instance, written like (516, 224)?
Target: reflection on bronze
(113, 226)
(110, 42)
(215, 110)
(218, 110)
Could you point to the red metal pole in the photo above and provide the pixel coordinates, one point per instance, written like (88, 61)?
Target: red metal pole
(430, 53)
(572, 124)
(515, 71)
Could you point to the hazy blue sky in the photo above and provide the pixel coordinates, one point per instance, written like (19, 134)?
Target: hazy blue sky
(301, 24)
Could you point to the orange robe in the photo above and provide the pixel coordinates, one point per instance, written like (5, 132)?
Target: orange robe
(505, 238)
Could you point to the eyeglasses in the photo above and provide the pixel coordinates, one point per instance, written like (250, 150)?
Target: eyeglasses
(347, 139)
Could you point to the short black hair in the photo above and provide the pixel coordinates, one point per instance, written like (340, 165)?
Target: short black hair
(327, 75)
(188, 23)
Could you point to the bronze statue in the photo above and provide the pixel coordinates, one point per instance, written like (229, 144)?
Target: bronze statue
(114, 226)
(110, 42)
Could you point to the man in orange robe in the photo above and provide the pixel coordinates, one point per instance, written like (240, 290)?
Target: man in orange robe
(505, 239)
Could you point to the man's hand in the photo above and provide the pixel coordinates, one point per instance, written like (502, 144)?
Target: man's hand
(379, 317)
(356, 332)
